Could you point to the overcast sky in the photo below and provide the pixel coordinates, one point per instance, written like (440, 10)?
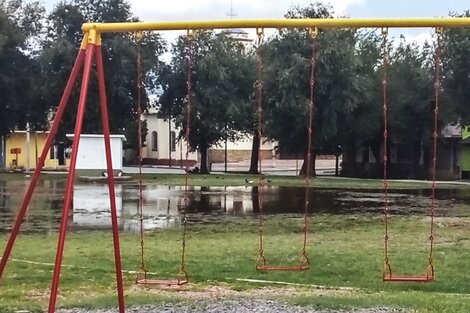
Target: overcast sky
(152, 10)
(174, 10)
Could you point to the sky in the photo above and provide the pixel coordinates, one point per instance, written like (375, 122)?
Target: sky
(180, 10)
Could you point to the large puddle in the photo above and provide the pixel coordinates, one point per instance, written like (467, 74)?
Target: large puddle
(163, 205)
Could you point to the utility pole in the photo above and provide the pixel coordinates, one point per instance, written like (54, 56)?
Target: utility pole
(170, 141)
(28, 146)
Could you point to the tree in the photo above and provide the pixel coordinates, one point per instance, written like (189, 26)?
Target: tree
(120, 63)
(411, 99)
(363, 125)
(456, 63)
(222, 80)
(19, 25)
(287, 83)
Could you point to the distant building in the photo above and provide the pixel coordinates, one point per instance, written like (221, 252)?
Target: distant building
(453, 158)
(163, 148)
(162, 144)
(239, 35)
(21, 150)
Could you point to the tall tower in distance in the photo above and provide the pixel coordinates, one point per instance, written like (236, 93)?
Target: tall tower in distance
(236, 33)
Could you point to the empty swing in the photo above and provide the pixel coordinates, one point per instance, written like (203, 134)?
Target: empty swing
(304, 262)
(143, 276)
(388, 274)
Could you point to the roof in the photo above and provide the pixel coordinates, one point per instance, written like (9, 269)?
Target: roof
(31, 132)
(123, 138)
(235, 31)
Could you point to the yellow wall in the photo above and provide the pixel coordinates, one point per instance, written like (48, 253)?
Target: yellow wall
(18, 140)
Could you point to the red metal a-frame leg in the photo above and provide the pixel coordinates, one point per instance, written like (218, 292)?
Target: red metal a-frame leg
(90, 53)
(70, 177)
(85, 56)
(112, 197)
(44, 154)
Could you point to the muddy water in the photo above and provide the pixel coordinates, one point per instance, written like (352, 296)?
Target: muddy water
(163, 205)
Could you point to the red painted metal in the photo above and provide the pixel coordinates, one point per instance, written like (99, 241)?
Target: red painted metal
(44, 154)
(112, 195)
(425, 278)
(70, 177)
(301, 267)
(143, 279)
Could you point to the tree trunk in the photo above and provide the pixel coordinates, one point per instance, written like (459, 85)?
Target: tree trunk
(375, 145)
(303, 169)
(254, 154)
(415, 157)
(203, 149)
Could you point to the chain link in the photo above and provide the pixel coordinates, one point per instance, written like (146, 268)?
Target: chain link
(304, 261)
(385, 144)
(437, 93)
(259, 85)
(190, 38)
(138, 40)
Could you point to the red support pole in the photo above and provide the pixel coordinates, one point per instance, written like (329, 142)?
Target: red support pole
(112, 196)
(70, 177)
(44, 154)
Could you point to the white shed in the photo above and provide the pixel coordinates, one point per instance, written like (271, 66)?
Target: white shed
(91, 152)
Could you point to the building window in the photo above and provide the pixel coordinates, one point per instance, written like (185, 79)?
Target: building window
(154, 141)
(173, 141)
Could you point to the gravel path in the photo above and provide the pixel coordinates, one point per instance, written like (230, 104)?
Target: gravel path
(232, 306)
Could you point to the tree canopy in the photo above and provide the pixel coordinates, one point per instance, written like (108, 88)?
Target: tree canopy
(222, 78)
(37, 52)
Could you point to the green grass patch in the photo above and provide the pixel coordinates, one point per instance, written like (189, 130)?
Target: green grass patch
(344, 251)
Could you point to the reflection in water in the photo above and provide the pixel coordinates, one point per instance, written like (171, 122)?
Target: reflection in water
(164, 205)
(3, 196)
(91, 206)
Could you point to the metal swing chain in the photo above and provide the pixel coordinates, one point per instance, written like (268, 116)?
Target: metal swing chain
(259, 85)
(385, 157)
(188, 146)
(138, 40)
(304, 260)
(437, 92)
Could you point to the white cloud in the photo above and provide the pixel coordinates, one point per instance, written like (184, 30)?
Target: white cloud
(150, 10)
(187, 10)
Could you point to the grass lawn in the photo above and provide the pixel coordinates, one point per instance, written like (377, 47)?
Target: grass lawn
(345, 251)
(232, 179)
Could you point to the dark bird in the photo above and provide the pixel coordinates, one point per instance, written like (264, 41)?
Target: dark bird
(270, 181)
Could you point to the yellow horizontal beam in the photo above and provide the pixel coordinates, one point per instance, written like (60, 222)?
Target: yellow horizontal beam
(278, 23)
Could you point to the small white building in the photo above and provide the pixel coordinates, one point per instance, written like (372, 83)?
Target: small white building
(91, 152)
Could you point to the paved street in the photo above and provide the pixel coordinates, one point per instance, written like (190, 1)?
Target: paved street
(273, 167)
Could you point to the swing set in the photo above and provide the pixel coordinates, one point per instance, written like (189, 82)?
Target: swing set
(90, 53)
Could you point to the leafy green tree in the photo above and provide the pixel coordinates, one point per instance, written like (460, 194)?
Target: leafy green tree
(120, 63)
(288, 78)
(411, 99)
(222, 79)
(19, 26)
(363, 126)
(456, 63)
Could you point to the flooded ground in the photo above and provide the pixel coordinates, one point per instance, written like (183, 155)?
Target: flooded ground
(163, 205)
